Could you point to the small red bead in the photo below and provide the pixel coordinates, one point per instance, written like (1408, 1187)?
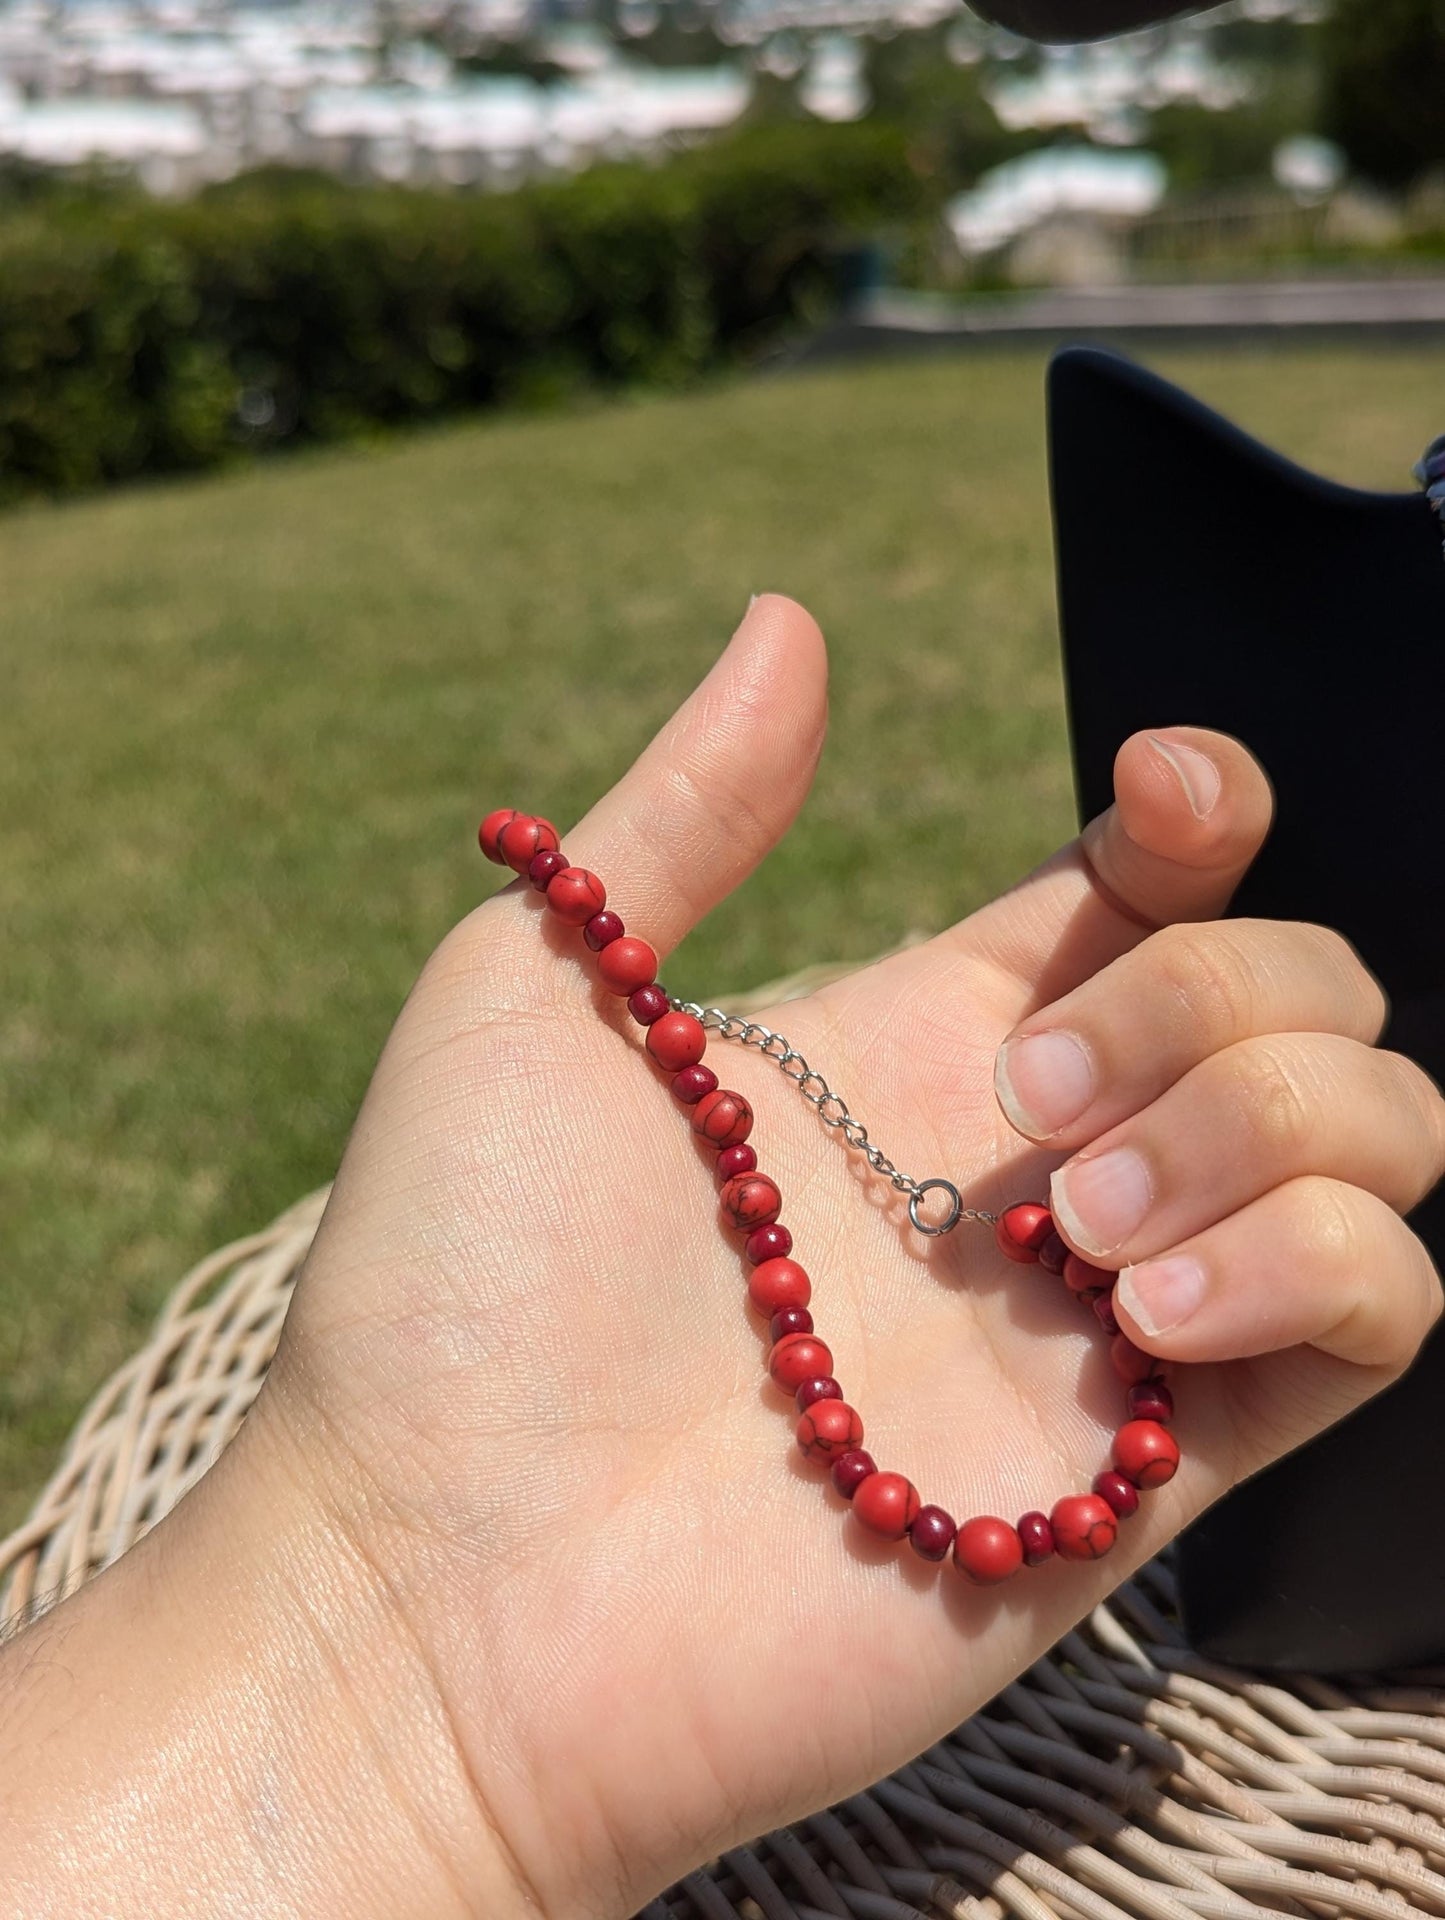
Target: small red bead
(887, 1504)
(693, 1084)
(523, 837)
(626, 964)
(776, 1284)
(574, 895)
(602, 929)
(647, 1005)
(1085, 1527)
(675, 1040)
(828, 1430)
(988, 1550)
(542, 866)
(790, 1320)
(1080, 1277)
(1104, 1311)
(750, 1199)
(825, 1387)
(850, 1470)
(1151, 1400)
(1020, 1231)
(771, 1242)
(1131, 1363)
(1118, 1492)
(931, 1534)
(724, 1118)
(798, 1357)
(1037, 1537)
(1146, 1453)
(1052, 1254)
(491, 827)
(738, 1160)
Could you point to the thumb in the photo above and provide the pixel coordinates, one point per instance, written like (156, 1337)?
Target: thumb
(720, 784)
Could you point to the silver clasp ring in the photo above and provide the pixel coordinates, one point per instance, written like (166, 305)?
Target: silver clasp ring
(955, 1206)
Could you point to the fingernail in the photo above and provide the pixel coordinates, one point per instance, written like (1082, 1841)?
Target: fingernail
(1161, 1295)
(1195, 772)
(1043, 1081)
(1099, 1203)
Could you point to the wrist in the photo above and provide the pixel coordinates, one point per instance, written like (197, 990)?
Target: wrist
(232, 1719)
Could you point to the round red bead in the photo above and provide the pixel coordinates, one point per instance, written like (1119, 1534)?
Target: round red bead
(1020, 1231)
(603, 928)
(749, 1199)
(790, 1320)
(738, 1160)
(693, 1084)
(771, 1242)
(931, 1534)
(675, 1040)
(542, 866)
(724, 1118)
(1052, 1254)
(647, 1004)
(1080, 1277)
(490, 829)
(829, 1429)
(1037, 1537)
(574, 895)
(626, 964)
(825, 1387)
(523, 837)
(1131, 1363)
(1084, 1526)
(850, 1470)
(1104, 1311)
(1146, 1453)
(1119, 1493)
(776, 1284)
(988, 1550)
(1151, 1400)
(887, 1504)
(798, 1357)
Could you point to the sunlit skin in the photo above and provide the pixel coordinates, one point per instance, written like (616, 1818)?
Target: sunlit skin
(565, 1609)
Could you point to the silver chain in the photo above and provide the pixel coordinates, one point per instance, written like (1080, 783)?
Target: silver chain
(832, 1110)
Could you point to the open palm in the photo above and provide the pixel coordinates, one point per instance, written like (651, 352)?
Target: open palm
(522, 1344)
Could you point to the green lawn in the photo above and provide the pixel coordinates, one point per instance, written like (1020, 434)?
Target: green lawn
(248, 725)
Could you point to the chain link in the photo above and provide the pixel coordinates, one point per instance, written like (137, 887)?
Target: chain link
(832, 1110)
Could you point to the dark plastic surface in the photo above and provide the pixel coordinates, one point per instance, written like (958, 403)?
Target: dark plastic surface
(1062, 21)
(1205, 580)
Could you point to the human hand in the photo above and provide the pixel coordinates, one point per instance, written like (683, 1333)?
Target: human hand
(520, 1396)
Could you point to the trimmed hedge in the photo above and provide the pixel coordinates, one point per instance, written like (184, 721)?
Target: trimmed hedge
(139, 337)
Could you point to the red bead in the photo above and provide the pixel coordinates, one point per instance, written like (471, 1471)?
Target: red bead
(490, 828)
(931, 1534)
(1146, 1453)
(1117, 1492)
(1131, 1363)
(850, 1470)
(574, 895)
(790, 1320)
(1037, 1537)
(988, 1550)
(693, 1084)
(543, 865)
(1020, 1231)
(603, 928)
(1052, 1254)
(738, 1160)
(776, 1284)
(523, 837)
(647, 1005)
(676, 1040)
(1151, 1400)
(724, 1118)
(771, 1242)
(1085, 1527)
(626, 964)
(1103, 1307)
(825, 1387)
(798, 1357)
(887, 1504)
(749, 1199)
(829, 1429)
(1080, 1277)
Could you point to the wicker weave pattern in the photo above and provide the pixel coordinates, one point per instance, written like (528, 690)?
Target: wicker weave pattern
(1121, 1778)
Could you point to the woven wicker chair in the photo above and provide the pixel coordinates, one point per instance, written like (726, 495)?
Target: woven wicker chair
(1120, 1778)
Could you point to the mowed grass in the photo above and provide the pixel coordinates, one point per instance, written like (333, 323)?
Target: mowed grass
(249, 724)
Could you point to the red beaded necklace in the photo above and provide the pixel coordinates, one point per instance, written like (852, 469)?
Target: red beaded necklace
(1081, 1526)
